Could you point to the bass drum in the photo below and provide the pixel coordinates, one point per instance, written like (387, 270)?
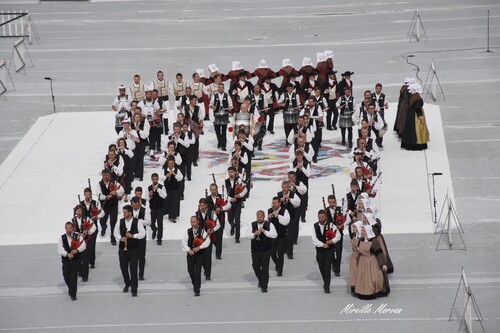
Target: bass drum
(291, 116)
(221, 118)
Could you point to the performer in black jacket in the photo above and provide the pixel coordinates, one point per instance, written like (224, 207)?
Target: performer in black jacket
(261, 234)
(70, 245)
(280, 218)
(129, 231)
(194, 242)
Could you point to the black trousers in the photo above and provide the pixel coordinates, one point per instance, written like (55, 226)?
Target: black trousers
(196, 150)
(234, 218)
(269, 114)
(278, 252)
(127, 179)
(155, 138)
(128, 264)
(292, 231)
(70, 274)
(288, 129)
(219, 236)
(112, 213)
(84, 265)
(187, 160)
(332, 110)
(304, 201)
(349, 134)
(142, 256)
(182, 183)
(157, 222)
(324, 257)
(194, 264)
(337, 254)
(91, 246)
(139, 151)
(172, 204)
(260, 265)
(207, 260)
(221, 133)
(318, 138)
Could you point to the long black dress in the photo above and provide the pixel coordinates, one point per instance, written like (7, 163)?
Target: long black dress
(409, 138)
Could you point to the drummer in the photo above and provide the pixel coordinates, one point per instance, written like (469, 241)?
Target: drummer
(221, 104)
(290, 102)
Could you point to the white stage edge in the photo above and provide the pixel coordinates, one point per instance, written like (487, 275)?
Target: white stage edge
(41, 178)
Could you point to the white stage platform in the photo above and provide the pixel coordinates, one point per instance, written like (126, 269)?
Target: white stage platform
(41, 178)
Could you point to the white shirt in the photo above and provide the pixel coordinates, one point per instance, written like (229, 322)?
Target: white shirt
(185, 239)
(269, 234)
(129, 138)
(141, 232)
(62, 250)
(317, 242)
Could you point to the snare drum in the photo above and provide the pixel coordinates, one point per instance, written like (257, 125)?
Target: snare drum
(242, 119)
(290, 116)
(221, 118)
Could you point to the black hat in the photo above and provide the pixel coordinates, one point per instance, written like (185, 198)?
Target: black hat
(347, 73)
(331, 71)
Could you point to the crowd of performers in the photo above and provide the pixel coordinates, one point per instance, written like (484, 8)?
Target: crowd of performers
(244, 114)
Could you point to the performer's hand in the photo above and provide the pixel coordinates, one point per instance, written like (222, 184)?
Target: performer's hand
(73, 252)
(196, 249)
(233, 199)
(326, 246)
(71, 256)
(123, 239)
(129, 235)
(191, 252)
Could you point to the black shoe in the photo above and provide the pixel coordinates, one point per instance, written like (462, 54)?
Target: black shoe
(73, 298)
(343, 142)
(196, 293)
(329, 128)
(271, 131)
(141, 278)
(315, 160)
(154, 234)
(92, 266)
(113, 243)
(242, 205)
(141, 179)
(125, 289)
(327, 290)
(334, 128)
(303, 219)
(134, 294)
(218, 258)
(280, 273)
(237, 240)
(295, 243)
(232, 231)
(79, 274)
(350, 144)
(290, 256)
(223, 148)
(337, 274)
(207, 278)
(158, 242)
(103, 232)
(218, 146)
(182, 197)
(189, 179)
(259, 147)
(85, 280)
(194, 164)
(264, 289)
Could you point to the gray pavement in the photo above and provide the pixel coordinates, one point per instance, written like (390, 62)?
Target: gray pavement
(90, 48)
(33, 295)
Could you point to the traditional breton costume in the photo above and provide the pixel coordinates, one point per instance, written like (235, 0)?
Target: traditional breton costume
(70, 266)
(260, 246)
(322, 233)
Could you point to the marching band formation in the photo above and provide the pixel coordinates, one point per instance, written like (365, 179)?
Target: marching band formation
(245, 114)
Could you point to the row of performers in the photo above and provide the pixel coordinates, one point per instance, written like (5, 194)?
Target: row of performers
(346, 112)
(369, 263)
(204, 87)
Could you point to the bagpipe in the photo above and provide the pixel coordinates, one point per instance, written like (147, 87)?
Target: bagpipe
(75, 241)
(338, 217)
(368, 186)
